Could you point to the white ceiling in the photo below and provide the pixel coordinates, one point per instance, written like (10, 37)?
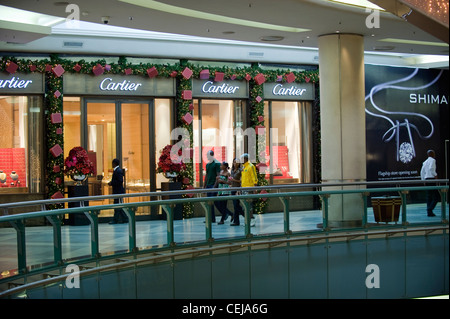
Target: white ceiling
(318, 16)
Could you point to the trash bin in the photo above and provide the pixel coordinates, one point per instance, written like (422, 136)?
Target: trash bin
(386, 209)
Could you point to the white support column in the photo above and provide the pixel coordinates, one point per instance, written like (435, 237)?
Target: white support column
(343, 130)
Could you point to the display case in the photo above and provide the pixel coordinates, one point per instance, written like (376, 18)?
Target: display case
(13, 172)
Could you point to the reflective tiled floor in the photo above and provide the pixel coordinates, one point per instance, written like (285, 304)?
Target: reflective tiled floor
(113, 238)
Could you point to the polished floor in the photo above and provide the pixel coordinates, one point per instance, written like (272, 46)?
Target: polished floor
(114, 238)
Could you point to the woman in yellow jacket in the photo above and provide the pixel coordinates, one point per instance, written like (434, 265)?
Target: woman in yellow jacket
(248, 179)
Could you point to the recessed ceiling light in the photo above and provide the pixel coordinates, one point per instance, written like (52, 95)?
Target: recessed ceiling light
(272, 38)
(384, 48)
(61, 3)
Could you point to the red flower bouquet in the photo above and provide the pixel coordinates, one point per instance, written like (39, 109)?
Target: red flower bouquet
(170, 163)
(78, 163)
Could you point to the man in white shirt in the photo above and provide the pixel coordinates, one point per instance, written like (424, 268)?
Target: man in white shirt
(428, 171)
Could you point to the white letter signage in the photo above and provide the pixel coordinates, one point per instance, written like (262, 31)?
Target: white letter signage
(289, 91)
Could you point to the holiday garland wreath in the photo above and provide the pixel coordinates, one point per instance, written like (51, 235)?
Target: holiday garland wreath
(55, 67)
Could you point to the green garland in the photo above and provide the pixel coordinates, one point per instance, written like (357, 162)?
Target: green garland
(54, 138)
(182, 71)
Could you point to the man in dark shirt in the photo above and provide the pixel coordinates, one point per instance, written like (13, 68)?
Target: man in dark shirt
(117, 188)
(212, 171)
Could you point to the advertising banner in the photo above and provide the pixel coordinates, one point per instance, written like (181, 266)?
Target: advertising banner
(406, 115)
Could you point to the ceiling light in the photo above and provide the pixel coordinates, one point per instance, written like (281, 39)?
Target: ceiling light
(272, 38)
(405, 41)
(384, 48)
(61, 4)
(155, 5)
(9, 14)
(359, 3)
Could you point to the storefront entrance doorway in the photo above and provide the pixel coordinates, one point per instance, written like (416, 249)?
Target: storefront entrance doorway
(131, 130)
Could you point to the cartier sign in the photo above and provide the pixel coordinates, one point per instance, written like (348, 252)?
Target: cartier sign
(108, 84)
(289, 91)
(130, 85)
(222, 89)
(21, 83)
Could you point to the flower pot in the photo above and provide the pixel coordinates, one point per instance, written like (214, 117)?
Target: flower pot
(178, 209)
(77, 219)
(79, 179)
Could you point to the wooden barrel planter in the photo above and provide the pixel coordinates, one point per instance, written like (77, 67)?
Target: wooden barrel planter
(386, 209)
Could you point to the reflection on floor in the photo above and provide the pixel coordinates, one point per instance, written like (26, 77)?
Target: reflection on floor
(114, 238)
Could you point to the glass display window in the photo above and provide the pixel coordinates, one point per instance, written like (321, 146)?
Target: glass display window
(218, 126)
(288, 143)
(21, 162)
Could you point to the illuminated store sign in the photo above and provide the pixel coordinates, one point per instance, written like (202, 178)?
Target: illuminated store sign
(21, 83)
(131, 85)
(223, 89)
(289, 91)
(109, 85)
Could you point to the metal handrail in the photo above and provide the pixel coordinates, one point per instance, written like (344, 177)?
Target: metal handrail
(199, 191)
(54, 216)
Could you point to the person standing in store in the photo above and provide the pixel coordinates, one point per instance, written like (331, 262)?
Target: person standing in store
(236, 172)
(428, 171)
(248, 179)
(117, 188)
(212, 171)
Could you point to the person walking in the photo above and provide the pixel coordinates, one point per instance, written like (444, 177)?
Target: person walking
(236, 172)
(212, 171)
(117, 188)
(223, 183)
(428, 171)
(248, 179)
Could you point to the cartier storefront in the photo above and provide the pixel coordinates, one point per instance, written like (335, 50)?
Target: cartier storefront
(129, 110)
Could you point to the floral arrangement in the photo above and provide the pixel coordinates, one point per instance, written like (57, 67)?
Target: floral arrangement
(170, 164)
(78, 163)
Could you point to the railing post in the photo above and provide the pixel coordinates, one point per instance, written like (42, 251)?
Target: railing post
(170, 235)
(404, 217)
(131, 229)
(207, 206)
(57, 243)
(247, 204)
(19, 226)
(285, 202)
(364, 220)
(443, 193)
(93, 218)
(325, 198)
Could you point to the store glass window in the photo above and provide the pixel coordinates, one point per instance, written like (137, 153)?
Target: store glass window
(288, 142)
(163, 128)
(72, 122)
(21, 164)
(215, 123)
